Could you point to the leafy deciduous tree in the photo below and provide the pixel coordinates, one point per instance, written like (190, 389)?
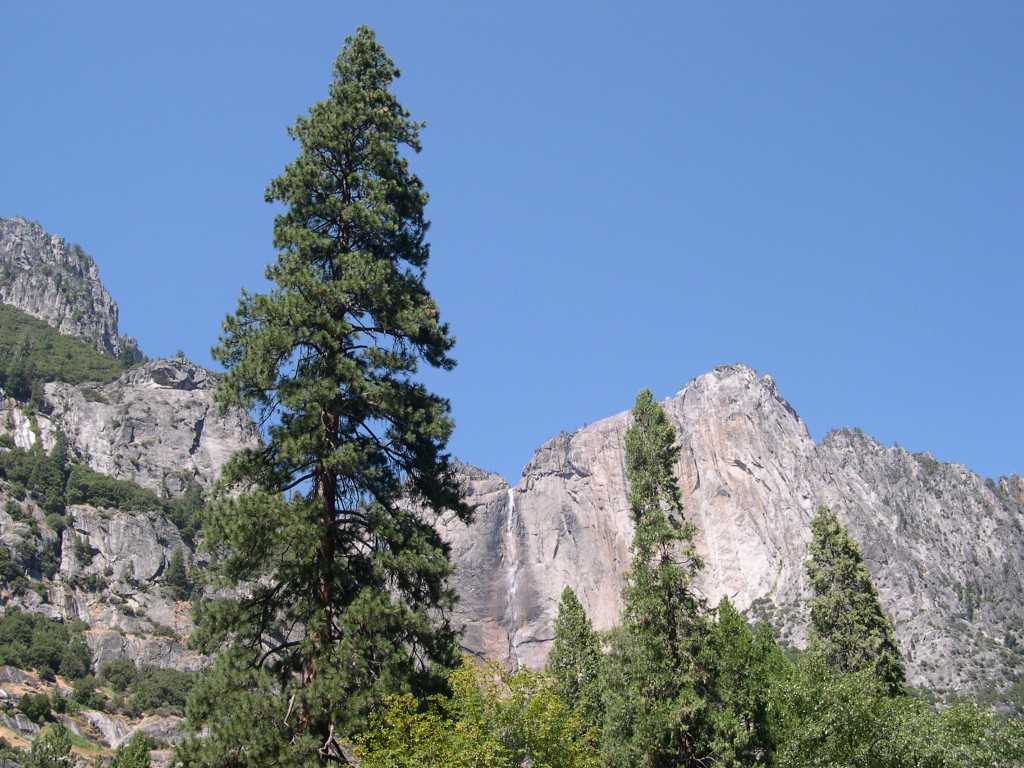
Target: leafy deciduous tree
(345, 599)
(830, 718)
(492, 719)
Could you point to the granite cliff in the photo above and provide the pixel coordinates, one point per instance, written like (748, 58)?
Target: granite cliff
(156, 427)
(154, 443)
(944, 546)
(48, 278)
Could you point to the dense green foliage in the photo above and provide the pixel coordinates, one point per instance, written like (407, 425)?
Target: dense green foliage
(826, 718)
(134, 754)
(119, 673)
(88, 487)
(147, 689)
(13, 576)
(655, 690)
(743, 665)
(51, 749)
(176, 578)
(574, 660)
(491, 719)
(33, 353)
(850, 631)
(158, 690)
(32, 641)
(348, 601)
(186, 511)
(35, 706)
(55, 480)
(7, 752)
(44, 475)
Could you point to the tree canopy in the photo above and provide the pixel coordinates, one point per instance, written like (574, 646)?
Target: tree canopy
(654, 689)
(328, 528)
(850, 631)
(493, 719)
(574, 660)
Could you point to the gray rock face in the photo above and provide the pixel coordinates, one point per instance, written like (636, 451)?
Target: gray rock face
(125, 601)
(111, 574)
(18, 723)
(488, 565)
(944, 547)
(113, 730)
(157, 425)
(59, 283)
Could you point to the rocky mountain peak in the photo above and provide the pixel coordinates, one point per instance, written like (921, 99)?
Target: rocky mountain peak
(48, 278)
(944, 547)
(172, 373)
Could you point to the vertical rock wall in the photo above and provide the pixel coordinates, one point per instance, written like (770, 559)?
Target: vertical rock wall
(945, 547)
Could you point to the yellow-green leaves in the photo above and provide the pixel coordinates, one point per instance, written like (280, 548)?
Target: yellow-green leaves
(492, 719)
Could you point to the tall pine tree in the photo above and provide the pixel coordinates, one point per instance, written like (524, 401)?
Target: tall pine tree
(327, 539)
(575, 659)
(654, 687)
(745, 664)
(850, 631)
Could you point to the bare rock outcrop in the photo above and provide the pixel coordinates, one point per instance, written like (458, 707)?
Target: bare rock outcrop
(156, 425)
(944, 546)
(59, 283)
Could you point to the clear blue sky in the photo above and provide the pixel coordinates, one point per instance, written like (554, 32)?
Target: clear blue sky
(622, 195)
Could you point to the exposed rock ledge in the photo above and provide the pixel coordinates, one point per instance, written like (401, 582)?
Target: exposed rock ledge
(156, 425)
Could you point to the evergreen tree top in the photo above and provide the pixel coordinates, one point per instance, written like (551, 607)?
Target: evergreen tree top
(651, 452)
(345, 598)
(655, 501)
(850, 631)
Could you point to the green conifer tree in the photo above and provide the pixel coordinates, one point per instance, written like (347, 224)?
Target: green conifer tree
(344, 597)
(654, 688)
(50, 750)
(176, 575)
(850, 631)
(745, 664)
(133, 754)
(575, 659)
